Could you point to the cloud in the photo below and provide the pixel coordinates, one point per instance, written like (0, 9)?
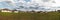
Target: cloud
(2, 0)
(34, 4)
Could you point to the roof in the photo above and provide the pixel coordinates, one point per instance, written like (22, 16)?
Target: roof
(6, 9)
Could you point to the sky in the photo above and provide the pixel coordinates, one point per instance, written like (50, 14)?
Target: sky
(27, 5)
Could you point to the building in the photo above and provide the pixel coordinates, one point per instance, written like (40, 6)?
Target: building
(5, 10)
(8, 10)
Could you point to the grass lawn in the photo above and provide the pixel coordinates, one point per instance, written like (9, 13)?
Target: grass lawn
(30, 16)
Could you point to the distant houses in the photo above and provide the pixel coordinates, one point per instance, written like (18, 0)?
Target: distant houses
(16, 11)
(8, 10)
(5, 10)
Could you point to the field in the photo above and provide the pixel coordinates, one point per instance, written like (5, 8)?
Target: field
(30, 16)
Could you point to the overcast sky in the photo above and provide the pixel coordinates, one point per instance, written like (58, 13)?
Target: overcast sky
(45, 4)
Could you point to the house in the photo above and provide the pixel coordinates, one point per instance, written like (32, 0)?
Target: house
(5, 10)
(8, 10)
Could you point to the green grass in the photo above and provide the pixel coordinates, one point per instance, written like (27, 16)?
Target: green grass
(30, 16)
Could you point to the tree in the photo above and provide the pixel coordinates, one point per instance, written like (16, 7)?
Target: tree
(33, 11)
(14, 10)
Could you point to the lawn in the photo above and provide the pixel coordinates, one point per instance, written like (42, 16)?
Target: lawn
(30, 16)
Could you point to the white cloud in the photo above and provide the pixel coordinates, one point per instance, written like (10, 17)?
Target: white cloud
(36, 3)
(1, 0)
(46, 5)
